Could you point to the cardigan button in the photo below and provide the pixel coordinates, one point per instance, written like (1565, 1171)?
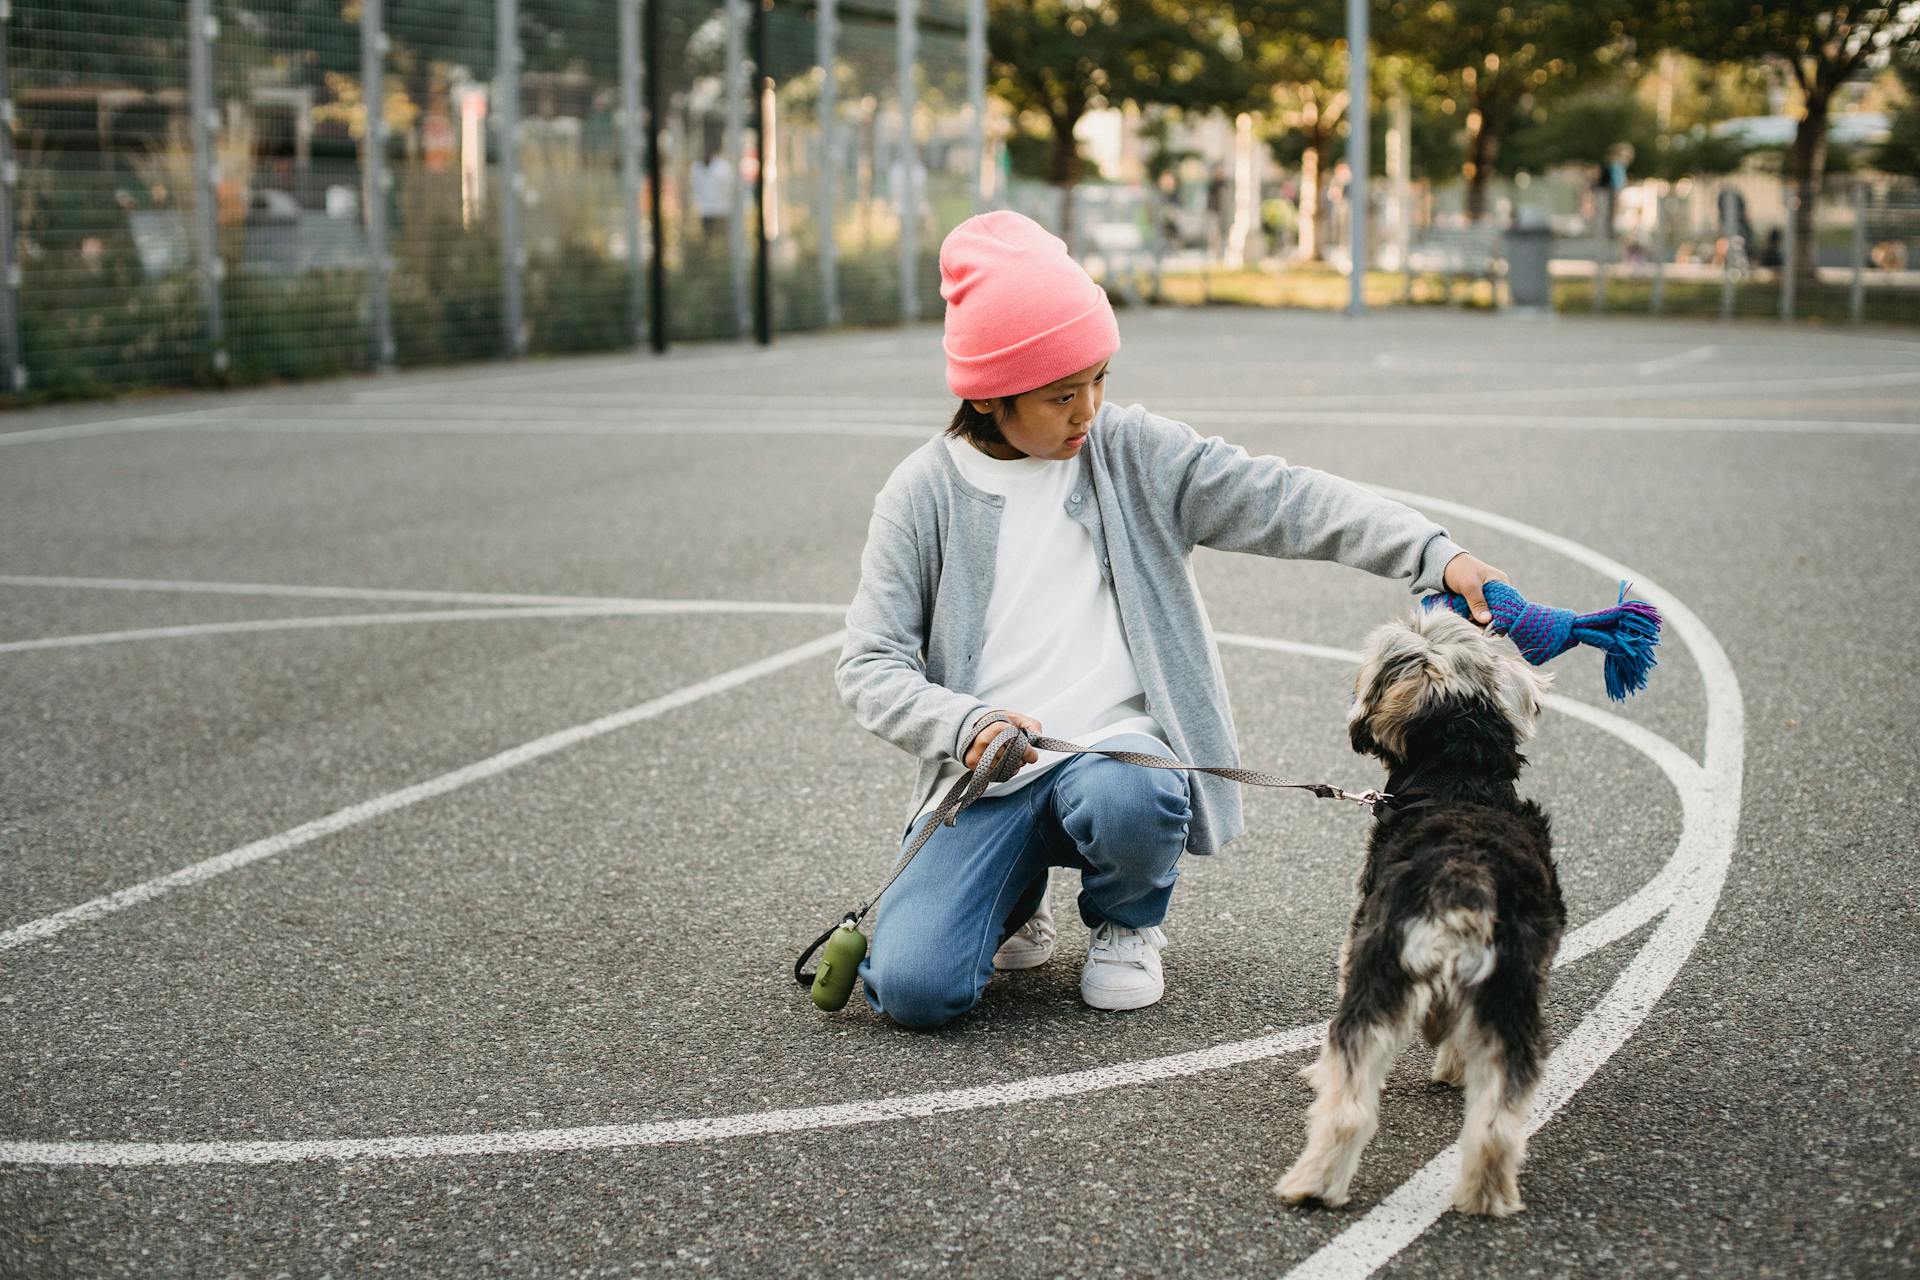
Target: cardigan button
(1074, 498)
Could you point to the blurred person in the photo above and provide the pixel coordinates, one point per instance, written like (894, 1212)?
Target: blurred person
(712, 186)
(1030, 567)
(1736, 233)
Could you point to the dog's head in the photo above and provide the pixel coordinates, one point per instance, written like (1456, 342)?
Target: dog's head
(1438, 688)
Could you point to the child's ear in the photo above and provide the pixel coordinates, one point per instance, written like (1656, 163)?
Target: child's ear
(984, 406)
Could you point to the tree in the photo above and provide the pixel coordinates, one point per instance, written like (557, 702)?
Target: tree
(1493, 57)
(1059, 59)
(1900, 153)
(1305, 80)
(1821, 46)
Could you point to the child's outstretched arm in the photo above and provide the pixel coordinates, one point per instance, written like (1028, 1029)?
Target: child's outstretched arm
(1224, 498)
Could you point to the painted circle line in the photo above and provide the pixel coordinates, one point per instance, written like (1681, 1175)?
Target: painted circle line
(1611, 926)
(1686, 890)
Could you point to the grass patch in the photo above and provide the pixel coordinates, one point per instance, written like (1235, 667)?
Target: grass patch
(1751, 299)
(1317, 288)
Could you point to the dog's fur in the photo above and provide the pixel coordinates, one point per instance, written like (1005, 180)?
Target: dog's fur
(1460, 911)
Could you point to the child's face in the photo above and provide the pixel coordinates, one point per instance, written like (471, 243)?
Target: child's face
(1051, 421)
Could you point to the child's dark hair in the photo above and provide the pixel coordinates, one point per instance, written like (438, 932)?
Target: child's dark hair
(979, 428)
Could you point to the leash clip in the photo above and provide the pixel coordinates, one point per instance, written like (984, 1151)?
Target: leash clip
(1365, 799)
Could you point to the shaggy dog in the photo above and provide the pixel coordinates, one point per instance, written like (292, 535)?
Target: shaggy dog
(1460, 911)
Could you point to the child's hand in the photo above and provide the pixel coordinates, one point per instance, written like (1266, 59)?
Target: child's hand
(994, 727)
(1468, 576)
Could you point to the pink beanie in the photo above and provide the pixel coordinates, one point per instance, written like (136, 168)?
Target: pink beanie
(1020, 312)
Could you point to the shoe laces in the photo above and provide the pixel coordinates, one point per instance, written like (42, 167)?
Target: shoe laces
(1117, 944)
(1038, 928)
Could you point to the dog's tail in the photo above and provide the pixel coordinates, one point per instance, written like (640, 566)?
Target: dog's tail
(1449, 947)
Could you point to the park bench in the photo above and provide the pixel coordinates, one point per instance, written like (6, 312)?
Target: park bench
(1469, 253)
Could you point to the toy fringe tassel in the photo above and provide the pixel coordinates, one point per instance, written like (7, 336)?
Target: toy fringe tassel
(1626, 632)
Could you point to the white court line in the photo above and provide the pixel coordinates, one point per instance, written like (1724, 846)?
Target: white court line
(1687, 777)
(1710, 826)
(663, 1133)
(619, 604)
(116, 426)
(1681, 771)
(1531, 395)
(830, 426)
(412, 426)
(1530, 422)
(354, 815)
(196, 629)
(1679, 359)
(1710, 799)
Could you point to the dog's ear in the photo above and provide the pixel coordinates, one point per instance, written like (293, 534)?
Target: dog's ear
(1523, 688)
(1360, 733)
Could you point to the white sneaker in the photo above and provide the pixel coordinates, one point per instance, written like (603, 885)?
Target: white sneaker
(1123, 967)
(1031, 945)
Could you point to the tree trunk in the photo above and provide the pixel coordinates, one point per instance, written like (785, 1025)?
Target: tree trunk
(1312, 235)
(1809, 167)
(1064, 170)
(1483, 147)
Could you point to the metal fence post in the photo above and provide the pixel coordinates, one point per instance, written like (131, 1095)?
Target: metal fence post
(977, 97)
(373, 80)
(506, 101)
(908, 20)
(630, 182)
(1726, 281)
(1787, 248)
(1857, 289)
(736, 111)
(202, 29)
(12, 361)
(657, 249)
(763, 145)
(1600, 279)
(1358, 153)
(827, 53)
(1657, 301)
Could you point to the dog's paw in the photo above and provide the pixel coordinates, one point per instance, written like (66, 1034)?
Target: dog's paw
(1301, 1187)
(1490, 1202)
(1450, 1072)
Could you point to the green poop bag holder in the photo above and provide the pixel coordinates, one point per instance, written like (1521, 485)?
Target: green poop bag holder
(845, 946)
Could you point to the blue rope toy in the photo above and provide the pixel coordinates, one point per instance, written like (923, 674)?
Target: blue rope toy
(1626, 632)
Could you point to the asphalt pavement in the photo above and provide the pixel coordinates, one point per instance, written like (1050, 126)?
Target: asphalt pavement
(416, 788)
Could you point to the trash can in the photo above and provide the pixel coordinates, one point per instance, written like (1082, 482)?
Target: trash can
(1528, 246)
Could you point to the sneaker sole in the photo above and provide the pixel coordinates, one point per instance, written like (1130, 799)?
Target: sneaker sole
(1021, 960)
(1121, 1001)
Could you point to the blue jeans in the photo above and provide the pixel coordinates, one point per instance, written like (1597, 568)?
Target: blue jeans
(974, 883)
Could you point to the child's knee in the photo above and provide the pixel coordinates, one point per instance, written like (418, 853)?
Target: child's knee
(919, 995)
(1149, 808)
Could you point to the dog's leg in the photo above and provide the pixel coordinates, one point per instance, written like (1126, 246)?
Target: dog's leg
(1493, 1141)
(1352, 1067)
(1437, 1028)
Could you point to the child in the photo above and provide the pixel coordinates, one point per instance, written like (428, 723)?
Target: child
(1031, 566)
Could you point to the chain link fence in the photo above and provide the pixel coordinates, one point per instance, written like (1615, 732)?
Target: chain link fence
(204, 191)
(1723, 247)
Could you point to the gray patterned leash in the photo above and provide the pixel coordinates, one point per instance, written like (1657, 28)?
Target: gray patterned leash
(1008, 748)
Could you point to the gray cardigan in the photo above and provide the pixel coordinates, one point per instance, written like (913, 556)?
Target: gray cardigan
(1150, 491)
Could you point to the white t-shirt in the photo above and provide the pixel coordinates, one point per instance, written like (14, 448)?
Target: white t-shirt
(1053, 647)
